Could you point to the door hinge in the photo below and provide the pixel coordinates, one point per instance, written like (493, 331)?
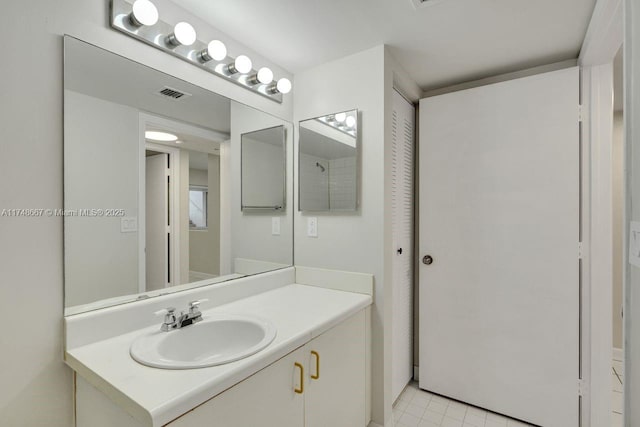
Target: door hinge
(580, 250)
(580, 113)
(582, 387)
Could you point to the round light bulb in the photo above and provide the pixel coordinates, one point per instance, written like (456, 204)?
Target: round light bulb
(351, 121)
(144, 13)
(341, 117)
(284, 85)
(160, 136)
(183, 34)
(242, 64)
(265, 75)
(217, 50)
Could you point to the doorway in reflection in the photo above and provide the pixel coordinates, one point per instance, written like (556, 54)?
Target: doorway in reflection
(182, 205)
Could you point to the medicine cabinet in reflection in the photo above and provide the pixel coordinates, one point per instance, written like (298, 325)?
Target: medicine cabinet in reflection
(263, 169)
(328, 163)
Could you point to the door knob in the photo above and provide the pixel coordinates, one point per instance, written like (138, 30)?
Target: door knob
(427, 259)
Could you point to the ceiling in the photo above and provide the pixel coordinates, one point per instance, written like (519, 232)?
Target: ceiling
(323, 146)
(188, 141)
(105, 75)
(441, 43)
(272, 136)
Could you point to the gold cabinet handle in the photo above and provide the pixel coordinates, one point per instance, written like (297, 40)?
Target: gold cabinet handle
(317, 375)
(301, 389)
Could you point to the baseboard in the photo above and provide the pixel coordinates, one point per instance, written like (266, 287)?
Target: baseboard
(372, 424)
(618, 354)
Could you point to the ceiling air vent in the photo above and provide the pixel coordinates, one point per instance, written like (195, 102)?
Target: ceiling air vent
(171, 93)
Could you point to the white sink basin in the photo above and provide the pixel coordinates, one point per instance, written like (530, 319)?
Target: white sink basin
(214, 341)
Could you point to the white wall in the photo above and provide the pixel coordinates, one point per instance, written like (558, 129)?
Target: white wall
(101, 171)
(251, 236)
(359, 241)
(352, 242)
(632, 275)
(31, 253)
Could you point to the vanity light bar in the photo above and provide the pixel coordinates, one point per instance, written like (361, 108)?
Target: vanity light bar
(140, 20)
(345, 122)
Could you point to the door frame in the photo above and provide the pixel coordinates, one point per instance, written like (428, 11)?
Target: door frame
(602, 41)
(173, 171)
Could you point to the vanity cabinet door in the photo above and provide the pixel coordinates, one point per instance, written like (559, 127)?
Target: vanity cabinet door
(266, 398)
(335, 386)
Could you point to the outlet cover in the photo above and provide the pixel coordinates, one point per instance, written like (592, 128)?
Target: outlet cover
(312, 226)
(128, 224)
(275, 226)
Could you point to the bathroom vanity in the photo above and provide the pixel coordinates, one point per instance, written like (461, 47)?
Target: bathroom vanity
(314, 373)
(183, 308)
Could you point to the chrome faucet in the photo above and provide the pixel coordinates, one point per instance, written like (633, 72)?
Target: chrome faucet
(173, 321)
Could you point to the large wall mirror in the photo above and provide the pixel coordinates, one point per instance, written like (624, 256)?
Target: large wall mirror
(152, 184)
(328, 163)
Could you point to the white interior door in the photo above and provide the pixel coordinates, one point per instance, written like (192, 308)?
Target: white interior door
(499, 215)
(403, 135)
(156, 222)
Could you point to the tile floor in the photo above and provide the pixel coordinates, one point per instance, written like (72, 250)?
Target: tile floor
(419, 408)
(616, 394)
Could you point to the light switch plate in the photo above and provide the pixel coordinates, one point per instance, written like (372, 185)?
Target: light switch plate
(128, 224)
(634, 243)
(312, 226)
(275, 226)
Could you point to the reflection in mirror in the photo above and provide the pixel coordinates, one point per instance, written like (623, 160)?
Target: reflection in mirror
(263, 169)
(151, 184)
(328, 162)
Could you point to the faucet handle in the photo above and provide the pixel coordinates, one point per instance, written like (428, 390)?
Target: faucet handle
(170, 319)
(194, 305)
(165, 311)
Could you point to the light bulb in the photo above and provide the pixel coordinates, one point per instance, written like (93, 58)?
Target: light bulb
(341, 117)
(160, 136)
(242, 64)
(351, 121)
(265, 75)
(143, 13)
(284, 85)
(215, 50)
(183, 34)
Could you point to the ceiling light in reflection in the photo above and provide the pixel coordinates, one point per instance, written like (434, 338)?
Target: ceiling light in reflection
(160, 136)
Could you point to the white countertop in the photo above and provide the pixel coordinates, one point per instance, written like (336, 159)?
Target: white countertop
(155, 397)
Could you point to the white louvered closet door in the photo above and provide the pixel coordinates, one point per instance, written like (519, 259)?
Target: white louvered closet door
(403, 132)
